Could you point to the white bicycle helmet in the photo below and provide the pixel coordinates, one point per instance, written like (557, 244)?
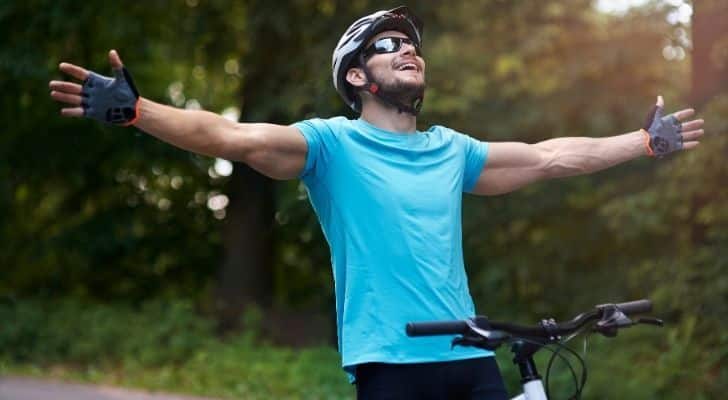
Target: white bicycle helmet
(358, 34)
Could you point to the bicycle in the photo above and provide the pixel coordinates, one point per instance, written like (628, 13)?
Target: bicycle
(526, 341)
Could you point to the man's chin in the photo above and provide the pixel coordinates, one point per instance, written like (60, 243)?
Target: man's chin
(411, 80)
(412, 90)
(404, 86)
(404, 90)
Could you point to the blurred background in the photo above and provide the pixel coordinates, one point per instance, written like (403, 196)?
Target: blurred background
(126, 261)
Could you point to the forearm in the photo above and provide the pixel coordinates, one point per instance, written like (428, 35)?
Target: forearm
(511, 165)
(198, 131)
(583, 155)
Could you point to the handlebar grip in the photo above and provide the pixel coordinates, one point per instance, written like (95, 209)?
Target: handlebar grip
(437, 328)
(635, 307)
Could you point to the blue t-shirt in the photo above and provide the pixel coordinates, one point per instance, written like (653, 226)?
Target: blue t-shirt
(389, 205)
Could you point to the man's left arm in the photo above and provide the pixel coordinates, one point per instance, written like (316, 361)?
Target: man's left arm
(511, 165)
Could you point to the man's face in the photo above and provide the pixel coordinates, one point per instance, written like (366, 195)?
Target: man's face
(401, 72)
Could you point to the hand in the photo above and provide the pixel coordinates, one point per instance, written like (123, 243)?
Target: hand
(110, 100)
(666, 134)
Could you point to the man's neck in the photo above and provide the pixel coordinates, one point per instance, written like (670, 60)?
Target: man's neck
(386, 117)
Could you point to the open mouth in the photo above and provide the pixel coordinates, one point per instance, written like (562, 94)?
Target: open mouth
(407, 67)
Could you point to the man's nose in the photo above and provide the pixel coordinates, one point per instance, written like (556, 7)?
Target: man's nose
(408, 49)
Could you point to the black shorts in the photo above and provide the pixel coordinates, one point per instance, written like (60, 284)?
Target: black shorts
(477, 378)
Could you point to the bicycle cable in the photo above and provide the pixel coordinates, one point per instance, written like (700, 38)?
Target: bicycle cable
(579, 387)
(491, 334)
(555, 353)
(581, 359)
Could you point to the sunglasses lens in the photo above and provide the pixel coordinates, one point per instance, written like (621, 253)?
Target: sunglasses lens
(390, 45)
(387, 45)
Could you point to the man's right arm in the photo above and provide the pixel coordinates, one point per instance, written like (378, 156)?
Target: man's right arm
(276, 151)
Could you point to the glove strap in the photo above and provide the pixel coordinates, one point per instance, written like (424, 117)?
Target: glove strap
(647, 143)
(137, 113)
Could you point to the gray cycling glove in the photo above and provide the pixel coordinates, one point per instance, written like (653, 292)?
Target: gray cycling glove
(111, 100)
(662, 133)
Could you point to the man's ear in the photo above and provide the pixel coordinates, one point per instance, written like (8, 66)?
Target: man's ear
(356, 77)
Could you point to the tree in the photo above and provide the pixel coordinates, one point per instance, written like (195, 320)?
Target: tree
(710, 50)
(281, 82)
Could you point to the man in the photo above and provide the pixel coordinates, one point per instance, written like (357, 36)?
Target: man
(388, 197)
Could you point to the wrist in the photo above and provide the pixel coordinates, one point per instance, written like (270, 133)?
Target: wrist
(137, 113)
(646, 141)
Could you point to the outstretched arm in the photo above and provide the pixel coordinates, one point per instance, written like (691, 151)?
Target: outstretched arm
(276, 151)
(511, 166)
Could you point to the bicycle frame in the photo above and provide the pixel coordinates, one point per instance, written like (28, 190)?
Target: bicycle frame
(532, 391)
(533, 388)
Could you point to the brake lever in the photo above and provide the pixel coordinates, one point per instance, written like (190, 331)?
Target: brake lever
(612, 320)
(610, 326)
(490, 343)
(480, 337)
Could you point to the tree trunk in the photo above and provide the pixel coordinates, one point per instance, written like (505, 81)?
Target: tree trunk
(245, 277)
(710, 50)
(276, 40)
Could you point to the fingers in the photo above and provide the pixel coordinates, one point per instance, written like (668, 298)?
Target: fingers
(67, 87)
(680, 115)
(82, 73)
(72, 112)
(72, 99)
(115, 60)
(692, 135)
(692, 125)
(691, 130)
(74, 70)
(684, 114)
(69, 92)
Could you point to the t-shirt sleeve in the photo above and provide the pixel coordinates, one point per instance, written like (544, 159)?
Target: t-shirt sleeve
(318, 134)
(476, 156)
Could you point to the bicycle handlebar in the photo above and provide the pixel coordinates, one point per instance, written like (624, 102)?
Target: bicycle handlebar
(437, 328)
(482, 333)
(633, 307)
(549, 330)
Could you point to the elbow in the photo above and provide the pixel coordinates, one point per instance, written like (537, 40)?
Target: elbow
(254, 148)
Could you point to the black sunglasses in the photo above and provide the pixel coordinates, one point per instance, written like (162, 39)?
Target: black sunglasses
(389, 45)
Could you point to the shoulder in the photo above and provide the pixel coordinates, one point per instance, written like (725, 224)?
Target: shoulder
(325, 133)
(446, 134)
(440, 130)
(332, 124)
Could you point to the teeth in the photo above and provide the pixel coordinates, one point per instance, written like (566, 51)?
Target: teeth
(407, 66)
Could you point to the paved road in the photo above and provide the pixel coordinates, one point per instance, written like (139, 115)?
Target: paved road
(33, 389)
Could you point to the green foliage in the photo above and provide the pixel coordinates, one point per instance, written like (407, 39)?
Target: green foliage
(682, 246)
(159, 346)
(92, 211)
(69, 331)
(166, 346)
